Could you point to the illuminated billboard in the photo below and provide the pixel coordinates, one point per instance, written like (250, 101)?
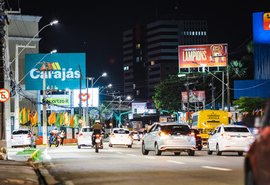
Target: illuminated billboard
(92, 97)
(57, 102)
(63, 71)
(194, 96)
(209, 55)
(261, 28)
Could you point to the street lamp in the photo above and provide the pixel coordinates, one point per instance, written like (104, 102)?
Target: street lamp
(92, 85)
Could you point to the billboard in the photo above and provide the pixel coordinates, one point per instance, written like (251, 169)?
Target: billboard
(209, 55)
(63, 71)
(92, 97)
(261, 28)
(194, 96)
(57, 102)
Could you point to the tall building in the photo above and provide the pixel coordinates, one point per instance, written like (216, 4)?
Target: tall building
(150, 52)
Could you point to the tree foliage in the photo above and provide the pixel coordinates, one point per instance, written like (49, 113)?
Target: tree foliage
(245, 104)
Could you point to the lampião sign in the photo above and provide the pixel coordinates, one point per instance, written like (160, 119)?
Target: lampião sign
(63, 71)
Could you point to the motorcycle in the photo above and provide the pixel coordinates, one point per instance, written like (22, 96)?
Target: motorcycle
(97, 142)
(54, 139)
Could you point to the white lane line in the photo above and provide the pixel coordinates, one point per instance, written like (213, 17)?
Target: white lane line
(216, 168)
(69, 183)
(47, 156)
(176, 162)
(133, 155)
(149, 157)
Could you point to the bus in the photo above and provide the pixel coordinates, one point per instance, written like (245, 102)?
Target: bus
(207, 120)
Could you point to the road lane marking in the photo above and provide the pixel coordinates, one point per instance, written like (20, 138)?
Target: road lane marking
(176, 162)
(149, 157)
(216, 168)
(47, 156)
(133, 155)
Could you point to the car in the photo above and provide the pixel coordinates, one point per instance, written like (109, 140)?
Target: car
(22, 138)
(135, 135)
(230, 138)
(198, 138)
(169, 136)
(257, 163)
(120, 136)
(84, 137)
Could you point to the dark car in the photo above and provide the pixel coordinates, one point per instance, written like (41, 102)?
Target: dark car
(257, 163)
(198, 138)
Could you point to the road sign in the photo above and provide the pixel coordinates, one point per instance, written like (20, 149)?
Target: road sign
(4, 95)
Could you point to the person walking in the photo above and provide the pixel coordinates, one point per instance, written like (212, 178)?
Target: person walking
(62, 135)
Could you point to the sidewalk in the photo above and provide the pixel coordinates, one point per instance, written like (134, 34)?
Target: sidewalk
(21, 169)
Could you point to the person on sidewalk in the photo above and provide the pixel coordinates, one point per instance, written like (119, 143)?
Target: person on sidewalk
(62, 135)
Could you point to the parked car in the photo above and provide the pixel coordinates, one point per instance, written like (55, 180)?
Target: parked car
(257, 163)
(120, 136)
(85, 137)
(22, 138)
(198, 138)
(230, 138)
(169, 136)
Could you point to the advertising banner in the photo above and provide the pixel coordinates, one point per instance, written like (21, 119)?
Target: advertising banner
(139, 108)
(210, 55)
(261, 27)
(92, 97)
(57, 102)
(62, 71)
(194, 96)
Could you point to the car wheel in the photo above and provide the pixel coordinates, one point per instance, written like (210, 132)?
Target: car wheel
(79, 146)
(200, 147)
(209, 152)
(191, 152)
(144, 152)
(218, 151)
(157, 151)
(110, 145)
(129, 146)
(240, 153)
(177, 153)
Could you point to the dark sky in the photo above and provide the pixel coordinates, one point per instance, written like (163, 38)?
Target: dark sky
(96, 27)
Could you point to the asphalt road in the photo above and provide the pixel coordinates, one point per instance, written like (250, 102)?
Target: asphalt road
(121, 165)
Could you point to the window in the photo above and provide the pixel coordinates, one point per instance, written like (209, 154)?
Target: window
(152, 63)
(138, 46)
(235, 129)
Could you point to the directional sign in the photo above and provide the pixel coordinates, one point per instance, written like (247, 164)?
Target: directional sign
(4, 95)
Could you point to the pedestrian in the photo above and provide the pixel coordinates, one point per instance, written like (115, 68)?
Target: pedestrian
(62, 135)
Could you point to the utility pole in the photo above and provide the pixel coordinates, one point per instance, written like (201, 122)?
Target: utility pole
(2, 67)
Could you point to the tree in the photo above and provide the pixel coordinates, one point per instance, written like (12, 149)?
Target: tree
(245, 104)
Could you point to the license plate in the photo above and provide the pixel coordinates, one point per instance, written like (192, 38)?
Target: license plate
(97, 140)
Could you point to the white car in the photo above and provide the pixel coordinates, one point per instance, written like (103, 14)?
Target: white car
(169, 136)
(23, 137)
(85, 137)
(120, 136)
(230, 138)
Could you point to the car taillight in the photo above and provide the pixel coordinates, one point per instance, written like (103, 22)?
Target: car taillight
(97, 135)
(162, 134)
(192, 134)
(81, 134)
(225, 135)
(28, 135)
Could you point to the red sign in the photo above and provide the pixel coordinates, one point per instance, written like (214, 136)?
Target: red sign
(266, 21)
(194, 96)
(4, 95)
(84, 96)
(210, 55)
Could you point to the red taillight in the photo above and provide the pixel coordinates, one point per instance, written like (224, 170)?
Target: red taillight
(97, 135)
(163, 134)
(28, 135)
(81, 134)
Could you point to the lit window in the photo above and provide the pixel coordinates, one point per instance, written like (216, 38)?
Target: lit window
(138, 46)
(137, 59)
(126, 68)
(152, 63)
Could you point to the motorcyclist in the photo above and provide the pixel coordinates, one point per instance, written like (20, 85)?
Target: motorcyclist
(97, 129)
(53, 134)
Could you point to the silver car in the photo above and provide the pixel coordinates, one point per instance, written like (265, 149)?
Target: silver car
(169, 136)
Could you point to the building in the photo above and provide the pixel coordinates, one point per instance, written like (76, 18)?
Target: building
(150, 53)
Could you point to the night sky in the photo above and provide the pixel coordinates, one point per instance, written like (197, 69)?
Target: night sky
(96, 27)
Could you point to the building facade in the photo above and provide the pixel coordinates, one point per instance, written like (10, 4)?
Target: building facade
(150, 53)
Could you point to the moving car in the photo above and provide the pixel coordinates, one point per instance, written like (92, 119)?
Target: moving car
(257, 163)
(85, 137)
(169, 136)
(120, 136)
(22, 138)
(198, 138)
(230, 138)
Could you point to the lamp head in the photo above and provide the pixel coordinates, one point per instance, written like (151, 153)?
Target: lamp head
(53, 51)
(104, 75)
(54, 22)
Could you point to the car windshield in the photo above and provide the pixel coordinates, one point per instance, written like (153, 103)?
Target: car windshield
(175, 129)
(86, 130)
(121, 131)
(235, 129)
(17, 132)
